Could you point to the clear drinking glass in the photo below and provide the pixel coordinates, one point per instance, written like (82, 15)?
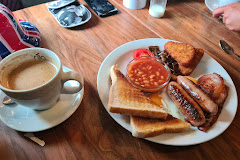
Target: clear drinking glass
(157, 8)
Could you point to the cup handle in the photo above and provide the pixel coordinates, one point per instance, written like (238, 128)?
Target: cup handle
(71, 75)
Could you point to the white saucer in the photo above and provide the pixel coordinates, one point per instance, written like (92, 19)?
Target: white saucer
(211, 4)
(25, 119)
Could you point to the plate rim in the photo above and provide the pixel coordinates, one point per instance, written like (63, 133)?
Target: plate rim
(150, 139)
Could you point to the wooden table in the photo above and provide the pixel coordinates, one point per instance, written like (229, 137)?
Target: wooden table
(90, 133)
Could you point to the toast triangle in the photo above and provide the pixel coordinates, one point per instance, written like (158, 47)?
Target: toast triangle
(128, 100)
(149, 127)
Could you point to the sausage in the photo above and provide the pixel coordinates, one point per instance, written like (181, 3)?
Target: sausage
(186, 104)
(205, 102)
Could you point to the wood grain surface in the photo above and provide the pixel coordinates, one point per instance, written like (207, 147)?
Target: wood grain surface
(90, 133)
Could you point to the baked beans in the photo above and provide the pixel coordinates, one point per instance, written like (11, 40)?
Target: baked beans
(148, 73)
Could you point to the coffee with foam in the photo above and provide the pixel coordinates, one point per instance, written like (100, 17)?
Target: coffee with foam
(29, 74)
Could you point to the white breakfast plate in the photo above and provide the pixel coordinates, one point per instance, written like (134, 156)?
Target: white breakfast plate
(211, 4)
(25, 119)
(123, 54)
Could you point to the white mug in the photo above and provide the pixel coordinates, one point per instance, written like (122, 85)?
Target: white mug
(226, 2)
(135, 4)
(46, 95)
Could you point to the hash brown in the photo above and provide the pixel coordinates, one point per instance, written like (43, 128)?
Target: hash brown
(185, 71)
(181, 52)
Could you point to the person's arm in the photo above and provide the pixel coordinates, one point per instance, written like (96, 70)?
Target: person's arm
(231, 15)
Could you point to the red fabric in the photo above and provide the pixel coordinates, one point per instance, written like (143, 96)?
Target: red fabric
(13, 5)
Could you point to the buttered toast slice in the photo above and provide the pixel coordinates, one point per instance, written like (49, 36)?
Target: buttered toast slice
(149, 127)
(128, 100)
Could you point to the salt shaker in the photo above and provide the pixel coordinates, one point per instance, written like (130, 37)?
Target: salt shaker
(157, 8)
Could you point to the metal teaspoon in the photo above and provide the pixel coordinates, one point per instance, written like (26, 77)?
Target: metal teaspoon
(226, 48)
(7, 100)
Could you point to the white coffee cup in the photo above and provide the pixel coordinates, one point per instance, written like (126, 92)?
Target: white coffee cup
(226, 2)
(135, 4)
(46, 95)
